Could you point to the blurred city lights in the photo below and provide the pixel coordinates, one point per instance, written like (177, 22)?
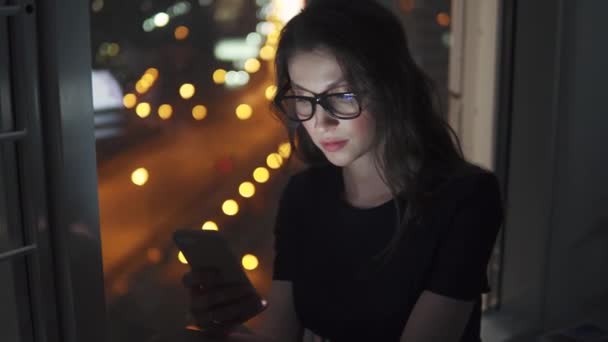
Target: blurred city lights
(182, 258)
(285, 150)
(161, 19)
(187, 90)
(267, 52)
(236, 78)
(250, 262)
(219, 76)
(265, 27)
(247, 189)
(244, 111)
(274, 161)
(97, 5)
(210, 225)
(199, 112)
(230, 207)
(152, 72)
(252, 65)
(181, 32)
(165, 111)
(270, 92)
(148, 25)
(254, 39)
(234, 50)
(129, 100)
(141, 86)
(261, 175)
(140, 176)
(443, 19)
(143, 110)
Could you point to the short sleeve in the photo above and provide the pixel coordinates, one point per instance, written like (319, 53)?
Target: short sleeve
(284, 239)
(459, 268)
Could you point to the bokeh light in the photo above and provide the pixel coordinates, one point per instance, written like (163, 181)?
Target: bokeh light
(140, 176)
(285, 150)
(187, 90)
(165, 111)
(230, 207)
(143, 110)
(267, 52)
(261, 175)
(274, 160)
(252, 65)
(250, 262)
(199, 112)
(270, 92)
(181, 32)
(210, 225)
(182, 258)
(219, 76)
(247, 189)
(129, 100)
(443, 19)
(244, 111)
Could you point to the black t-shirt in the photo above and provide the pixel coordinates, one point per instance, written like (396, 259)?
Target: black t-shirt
(322, 243)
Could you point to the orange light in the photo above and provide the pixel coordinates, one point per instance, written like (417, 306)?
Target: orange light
(181, 32)
(443, 19)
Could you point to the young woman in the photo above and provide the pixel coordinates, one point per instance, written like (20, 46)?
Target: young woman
(387, 235)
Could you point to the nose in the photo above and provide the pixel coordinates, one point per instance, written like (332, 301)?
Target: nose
(323, 121)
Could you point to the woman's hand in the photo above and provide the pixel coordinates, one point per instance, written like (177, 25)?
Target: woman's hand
(217, 307)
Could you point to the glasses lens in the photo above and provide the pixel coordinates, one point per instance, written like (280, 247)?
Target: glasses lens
(343, 105)
(297, 108)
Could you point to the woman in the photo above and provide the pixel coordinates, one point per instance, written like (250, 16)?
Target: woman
(388, 233)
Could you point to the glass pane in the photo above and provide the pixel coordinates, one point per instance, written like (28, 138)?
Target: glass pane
(182, 122)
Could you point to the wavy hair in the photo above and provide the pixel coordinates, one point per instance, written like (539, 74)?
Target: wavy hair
(420, 150)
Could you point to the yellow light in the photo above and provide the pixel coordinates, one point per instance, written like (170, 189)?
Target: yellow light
(129, 100)
(285, 150)
(273, 38)
(141, 86)
(113, 49)
(143, 110)
(270, 92)
(181, 32)
(250, 262)
(148, 78)
(267, 52)
(252, 65)
(140, 176)
(261, 175)
(247, 189)
(230, 207)
(182, 258)
(274, 160)
(186, 91)
(219, 76)
(244, 111)
(210, 225)
(165, 111)
(152, 72)
(199, 112)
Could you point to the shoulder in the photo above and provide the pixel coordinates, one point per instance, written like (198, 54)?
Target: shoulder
(471, 188)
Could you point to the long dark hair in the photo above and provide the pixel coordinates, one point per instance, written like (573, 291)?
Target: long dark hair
(420, 149)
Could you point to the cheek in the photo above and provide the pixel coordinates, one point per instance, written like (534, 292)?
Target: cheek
(363, 129)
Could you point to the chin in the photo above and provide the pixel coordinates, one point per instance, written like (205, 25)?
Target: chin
(339, 160)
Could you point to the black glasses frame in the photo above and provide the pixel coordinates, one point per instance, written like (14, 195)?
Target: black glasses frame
(320, 99)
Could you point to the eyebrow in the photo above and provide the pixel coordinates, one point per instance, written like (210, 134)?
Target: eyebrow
(335, 84)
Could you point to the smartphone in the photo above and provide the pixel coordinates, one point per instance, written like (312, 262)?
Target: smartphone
(209, 250)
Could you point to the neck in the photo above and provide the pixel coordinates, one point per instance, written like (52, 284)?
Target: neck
(363, 184)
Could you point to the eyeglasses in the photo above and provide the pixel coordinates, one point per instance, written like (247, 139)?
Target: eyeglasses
(343, 106)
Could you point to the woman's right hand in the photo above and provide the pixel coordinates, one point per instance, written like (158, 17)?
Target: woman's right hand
(218, 307)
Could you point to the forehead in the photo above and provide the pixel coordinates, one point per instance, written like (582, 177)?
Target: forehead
(315, 70)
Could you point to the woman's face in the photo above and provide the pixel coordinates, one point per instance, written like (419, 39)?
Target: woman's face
(344, 142)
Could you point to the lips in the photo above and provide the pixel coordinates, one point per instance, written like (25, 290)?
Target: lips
(333, 145)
